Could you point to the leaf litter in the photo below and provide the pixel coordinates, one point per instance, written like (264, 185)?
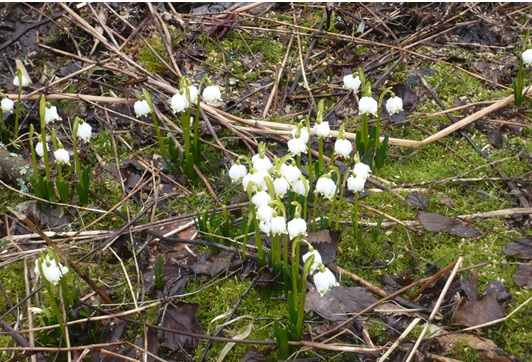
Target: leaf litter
(184, 262)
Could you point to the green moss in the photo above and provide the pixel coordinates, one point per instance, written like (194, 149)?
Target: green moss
(260, 307)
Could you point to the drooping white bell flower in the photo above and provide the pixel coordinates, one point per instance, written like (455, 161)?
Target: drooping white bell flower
(368, 105)
(356, 183)
(317, 259)
(301, 186)
(212, 94)
(527, 56)
(84, 131)
(261, 198)
(352, 83)
(237, 172)
(278, 225)
(261, 163)
(324, 281)
(193, 92)
(51, 270)
(258, 180)
(296, 227)
(361, 170)
(265, 227)
(322, 129)
(291, 173)
(50, 114)
(343, 147)
(265, 213)
(142, 108)
(179, 103)
(297, 146)
(303, 134)
(62, 156)
(25, 81)
(39, 148)
(326, 187)
(7, 105)
(281, 186)
(394, 105)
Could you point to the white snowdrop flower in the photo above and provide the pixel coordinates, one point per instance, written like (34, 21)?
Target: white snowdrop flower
(394, 105)
(296, 227)
(25, 81)
(84, 131)
(212, 94)
(322, 129)
(297, 146)
(179, 103)
(317, 259)
(7, 105)
(355, 183)
(368, 105)
(326, 187)
(303, 134)
(527, 56)
(245, 181)
(260, 163)
(35, 310)
(193, 92)
(352, 83)
(62, 156)
(265, 213)
(291, 173)
(52, 272)
(281, 186)
(261, 198)
(237, 172)
(258, 180)
(361, 170)
(39, 148)
(142, 108)
(50, 114)
(343, 147)
(324, 281)
(278, 225)
(265, 227)
(301, 187)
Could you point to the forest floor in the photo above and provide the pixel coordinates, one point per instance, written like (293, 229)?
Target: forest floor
(161, 264)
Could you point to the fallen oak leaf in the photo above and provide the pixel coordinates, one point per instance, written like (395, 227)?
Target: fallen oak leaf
(437, 223)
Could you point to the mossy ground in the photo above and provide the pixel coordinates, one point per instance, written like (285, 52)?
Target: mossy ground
(401, 249)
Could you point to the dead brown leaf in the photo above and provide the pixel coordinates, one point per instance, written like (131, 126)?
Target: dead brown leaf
(487, 350)
(474, 310)
(521, 249)
(437, 223)
(180, 316)
(523, 275)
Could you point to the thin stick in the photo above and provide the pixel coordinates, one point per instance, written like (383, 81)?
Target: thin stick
(399, 340)
(436, 308)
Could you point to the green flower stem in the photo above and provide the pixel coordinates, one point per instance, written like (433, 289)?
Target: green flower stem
(77, 165)
(17, 107)
(334, 201)
(355, 217)
(337, 223)
(33, 154)
(42, 112)
(55, 147)
(379, 112)
(162, 144)
(364, 131)
(321, 163)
